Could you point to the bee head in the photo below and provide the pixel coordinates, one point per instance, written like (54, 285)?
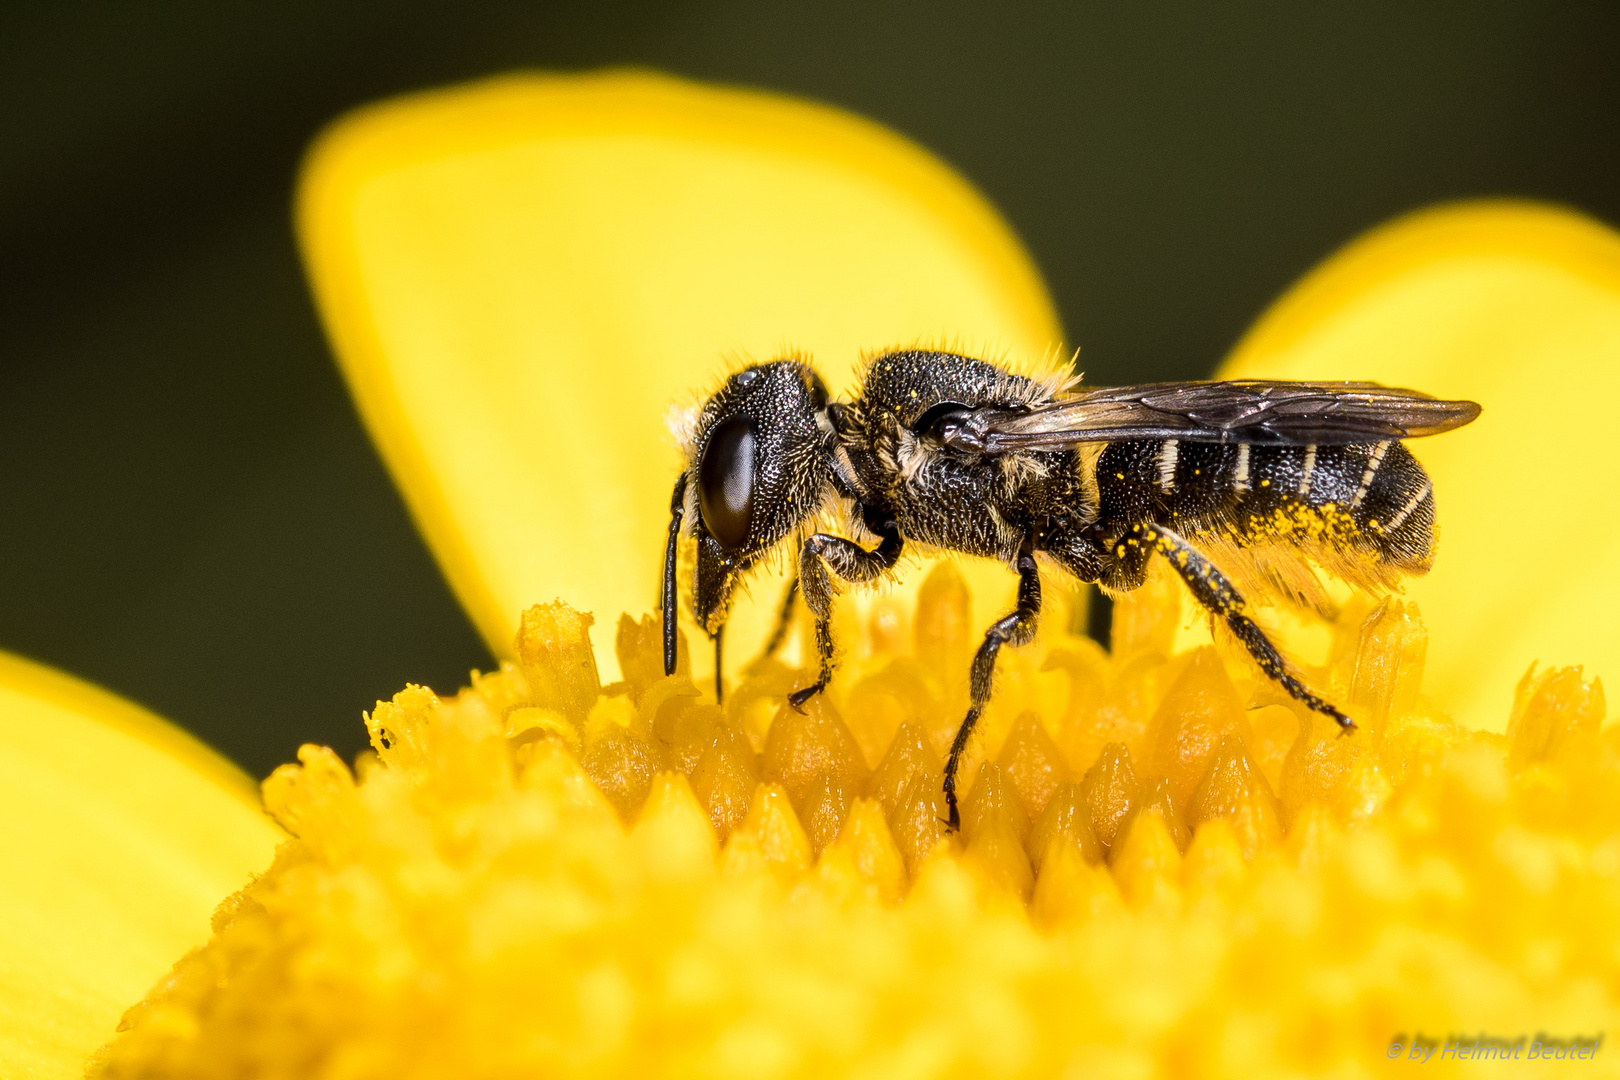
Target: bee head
(755, 472)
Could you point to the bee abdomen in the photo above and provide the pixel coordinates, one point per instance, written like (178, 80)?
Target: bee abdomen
(1394, 506)
(1370, 496)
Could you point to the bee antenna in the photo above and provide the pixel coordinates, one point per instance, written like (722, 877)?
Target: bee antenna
(677, 510)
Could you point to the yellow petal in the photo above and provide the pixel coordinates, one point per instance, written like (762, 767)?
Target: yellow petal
(520, 276)
(121, 834)
(1516, 306)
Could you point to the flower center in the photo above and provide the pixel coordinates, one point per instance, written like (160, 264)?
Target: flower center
(546, 876)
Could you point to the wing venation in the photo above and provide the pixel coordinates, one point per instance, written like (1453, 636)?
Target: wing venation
(1249, 411)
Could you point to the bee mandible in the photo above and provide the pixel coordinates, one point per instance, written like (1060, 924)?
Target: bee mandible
(948, 452)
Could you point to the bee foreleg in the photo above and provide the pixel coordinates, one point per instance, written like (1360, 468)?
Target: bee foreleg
(849, 561)
(1216, 593)
(1015, 629)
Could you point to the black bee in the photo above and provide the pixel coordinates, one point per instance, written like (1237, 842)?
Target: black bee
(960, 454)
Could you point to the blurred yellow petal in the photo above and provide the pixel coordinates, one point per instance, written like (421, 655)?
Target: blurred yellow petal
(1516, 306)
(521, 275)
(121, 835)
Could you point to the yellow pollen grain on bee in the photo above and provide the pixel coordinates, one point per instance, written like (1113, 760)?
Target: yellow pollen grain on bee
(1265, 483)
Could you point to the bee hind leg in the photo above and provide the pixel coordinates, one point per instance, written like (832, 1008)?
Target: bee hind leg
(849, 561)
(1216, 593)
(1015, 629)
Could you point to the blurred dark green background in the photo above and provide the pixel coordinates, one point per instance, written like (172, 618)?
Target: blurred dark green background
(193, 516)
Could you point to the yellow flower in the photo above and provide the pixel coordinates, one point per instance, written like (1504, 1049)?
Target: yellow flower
(519, 277)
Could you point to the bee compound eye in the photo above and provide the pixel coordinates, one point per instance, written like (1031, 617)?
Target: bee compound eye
(726, 482)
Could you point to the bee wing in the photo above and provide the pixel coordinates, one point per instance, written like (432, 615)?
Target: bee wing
(1251, 411)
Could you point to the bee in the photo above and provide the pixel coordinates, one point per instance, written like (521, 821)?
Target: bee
(951, 453)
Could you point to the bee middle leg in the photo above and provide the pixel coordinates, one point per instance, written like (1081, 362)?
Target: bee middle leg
(849, 561)
(1216, 593)
(1015, 629)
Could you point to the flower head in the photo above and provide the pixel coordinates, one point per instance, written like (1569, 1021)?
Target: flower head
(1157, 872)
(581, 866)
